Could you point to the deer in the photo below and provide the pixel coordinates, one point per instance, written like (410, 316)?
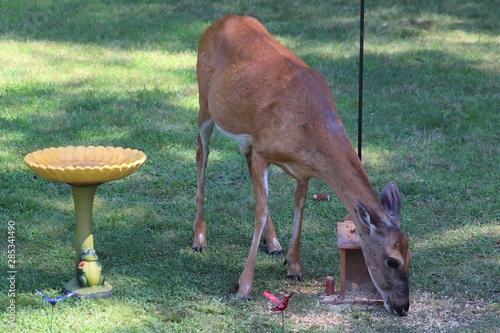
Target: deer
(282, 112)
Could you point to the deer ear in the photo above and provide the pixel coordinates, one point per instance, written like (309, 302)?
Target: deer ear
(391, 201)
(365, 217)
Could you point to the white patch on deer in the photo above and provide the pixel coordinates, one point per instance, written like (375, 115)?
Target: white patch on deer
(245, 140)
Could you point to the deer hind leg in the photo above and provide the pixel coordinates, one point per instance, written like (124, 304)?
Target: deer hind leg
(270, 238)
(199, 226)
(260, 169)
(293, 254)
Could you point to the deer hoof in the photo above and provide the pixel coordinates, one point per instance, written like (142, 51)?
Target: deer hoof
(297, 278)
(243, 294)
(241, 298)
(198, 249)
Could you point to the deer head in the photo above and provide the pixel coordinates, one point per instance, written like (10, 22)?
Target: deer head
(386, 250)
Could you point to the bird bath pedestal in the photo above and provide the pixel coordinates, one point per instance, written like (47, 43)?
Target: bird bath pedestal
(85, 168)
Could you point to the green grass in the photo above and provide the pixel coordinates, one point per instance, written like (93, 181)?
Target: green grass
(122, 73)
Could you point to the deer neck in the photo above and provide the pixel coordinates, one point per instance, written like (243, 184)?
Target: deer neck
(341, 169)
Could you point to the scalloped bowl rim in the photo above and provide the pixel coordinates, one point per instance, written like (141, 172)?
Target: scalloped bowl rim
(75, 165)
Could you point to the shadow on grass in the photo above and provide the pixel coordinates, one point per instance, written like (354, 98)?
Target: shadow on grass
(102, 119)
(176, 26)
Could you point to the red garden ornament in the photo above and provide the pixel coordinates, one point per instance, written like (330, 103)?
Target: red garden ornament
(281, 305)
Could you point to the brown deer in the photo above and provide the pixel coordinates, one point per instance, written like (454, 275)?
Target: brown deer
(282, 112)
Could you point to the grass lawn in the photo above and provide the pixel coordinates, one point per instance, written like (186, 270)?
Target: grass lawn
(122, 73)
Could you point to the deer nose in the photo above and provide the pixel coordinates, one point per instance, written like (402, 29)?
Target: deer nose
(402, 311)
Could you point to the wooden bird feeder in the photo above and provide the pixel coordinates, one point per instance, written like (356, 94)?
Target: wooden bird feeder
(354, 274)
(356, 286)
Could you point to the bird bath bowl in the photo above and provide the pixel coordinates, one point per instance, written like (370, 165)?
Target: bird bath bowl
(85, 168)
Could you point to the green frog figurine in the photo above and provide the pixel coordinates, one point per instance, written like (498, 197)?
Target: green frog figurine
(89, 270)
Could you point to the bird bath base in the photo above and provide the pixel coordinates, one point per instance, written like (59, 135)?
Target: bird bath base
(97, 291)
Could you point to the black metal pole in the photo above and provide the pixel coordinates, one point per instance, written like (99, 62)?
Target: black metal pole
(360, 93)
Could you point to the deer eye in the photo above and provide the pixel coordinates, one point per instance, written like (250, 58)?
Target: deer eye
(392, 263)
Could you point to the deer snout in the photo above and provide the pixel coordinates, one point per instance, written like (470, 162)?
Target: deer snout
(401, 310)
(397, 310)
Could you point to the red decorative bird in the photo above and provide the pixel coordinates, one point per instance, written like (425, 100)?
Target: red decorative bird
(281, 305)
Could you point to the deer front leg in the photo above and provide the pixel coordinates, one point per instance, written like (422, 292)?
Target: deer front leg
(270, 238)
(260, 169)
(199, 225)
(293, 255)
